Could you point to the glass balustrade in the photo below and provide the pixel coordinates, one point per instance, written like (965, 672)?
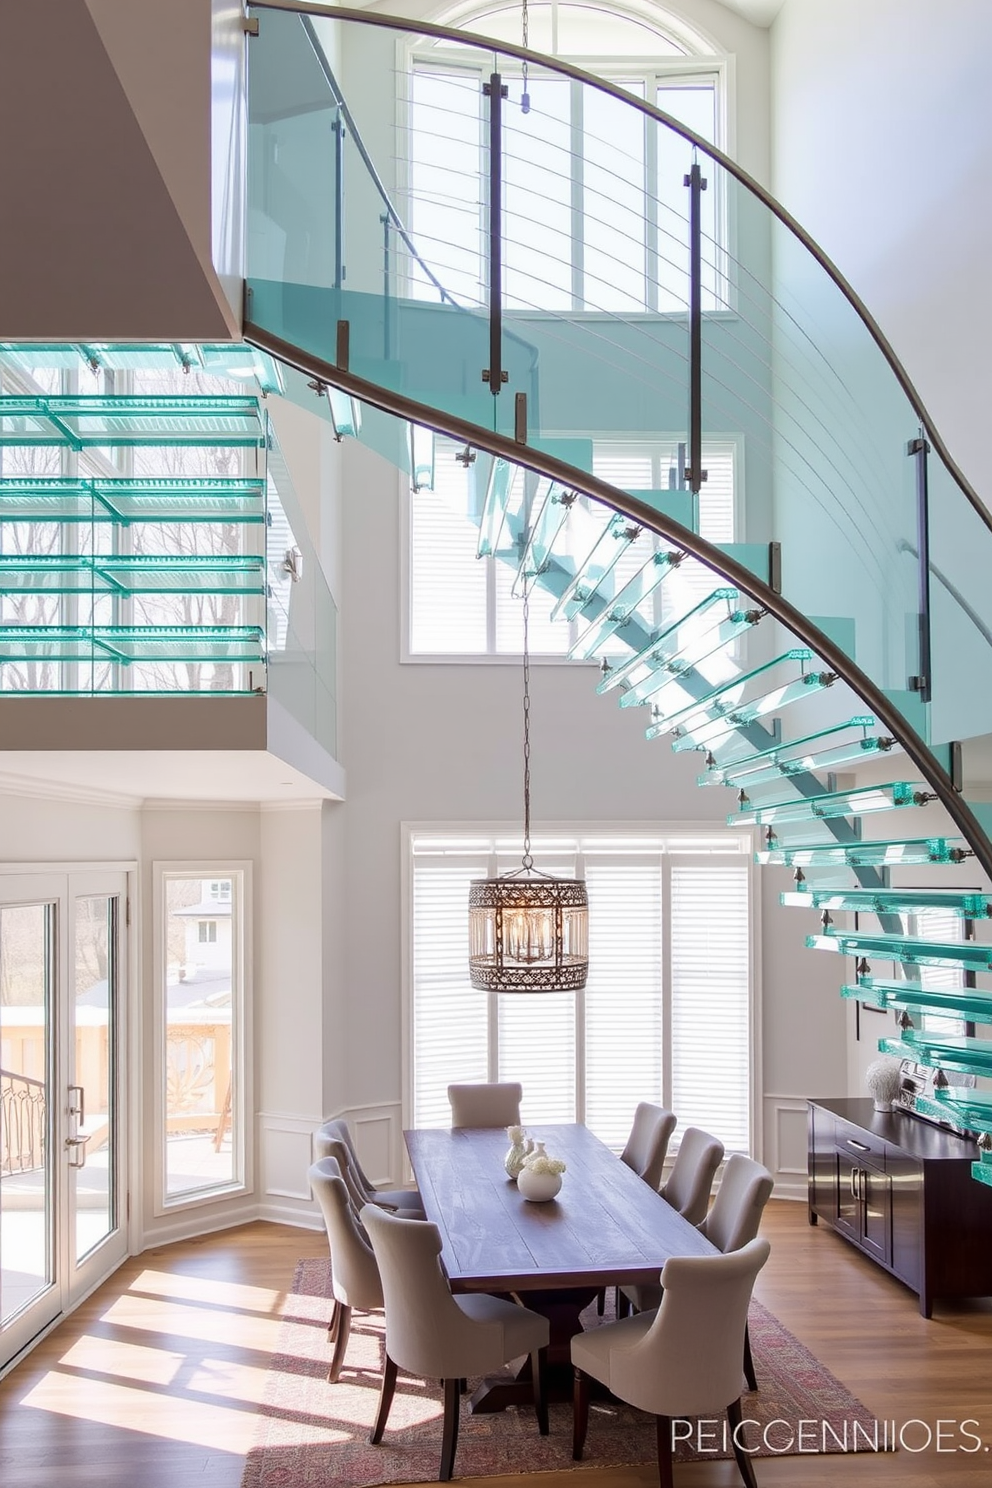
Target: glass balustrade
(574, 261)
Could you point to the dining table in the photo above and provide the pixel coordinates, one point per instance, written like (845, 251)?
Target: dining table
(606, 1227)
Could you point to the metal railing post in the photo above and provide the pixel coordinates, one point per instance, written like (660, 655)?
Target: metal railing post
(495, 91)
(695, 474)
(922, 683)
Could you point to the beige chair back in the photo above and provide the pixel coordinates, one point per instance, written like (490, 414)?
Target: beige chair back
(735, 1216)
(485, 1104)
(339, 1131)
(354, 1273)
(326, 1146)
(427, 1333)
(647, 1144)
(691, 1179)
(688, 1363)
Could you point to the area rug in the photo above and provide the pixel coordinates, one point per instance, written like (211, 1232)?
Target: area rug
(311, 1432)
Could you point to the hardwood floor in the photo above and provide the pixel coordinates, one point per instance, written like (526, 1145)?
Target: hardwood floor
(155, 1379)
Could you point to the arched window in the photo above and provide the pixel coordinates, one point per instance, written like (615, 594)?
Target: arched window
(594, 202)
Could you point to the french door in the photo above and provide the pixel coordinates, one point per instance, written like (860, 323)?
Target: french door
(63, 1200)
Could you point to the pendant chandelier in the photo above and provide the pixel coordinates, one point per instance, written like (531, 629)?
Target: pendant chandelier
(528, 932)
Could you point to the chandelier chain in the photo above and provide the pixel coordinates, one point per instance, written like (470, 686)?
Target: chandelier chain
(528, 861)
(525, 42)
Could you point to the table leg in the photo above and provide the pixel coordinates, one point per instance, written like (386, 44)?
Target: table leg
(563, 1310)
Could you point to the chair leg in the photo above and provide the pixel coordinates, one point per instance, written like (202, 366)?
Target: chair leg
(332, 1326)
(739, 1445)
(749, 1374)
(449, 1440)
(538, 1360)
(342, 1335)
(663, 1430)
(580, 1414)
(385, 1401)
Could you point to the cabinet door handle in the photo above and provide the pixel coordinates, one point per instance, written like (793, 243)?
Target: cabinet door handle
(861, 1146)
(854, 1184)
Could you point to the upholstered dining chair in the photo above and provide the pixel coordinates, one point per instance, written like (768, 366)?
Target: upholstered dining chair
(432, 1333)
(688, 1191)
(647, 1144)
(734, 1218)
(334, 1139)
(691, 1179)
(645, 1150)
(490, 1104)
(354, 1273)
(683, 1358)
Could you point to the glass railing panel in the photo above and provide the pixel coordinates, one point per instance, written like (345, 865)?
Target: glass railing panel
(789, 363)
(301, 627)
(960, 609)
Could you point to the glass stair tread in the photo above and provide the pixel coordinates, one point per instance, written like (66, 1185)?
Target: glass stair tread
(621, 610)
(129, 499)
(969, 955)
(864, 854)
(853, 803)
(702, 722)
(974, 1107)
(84, 420)
(671, 654)
(219, 359)
(965, 906)
(958, 1052)
(151, 574)
(552, 510)
(504, 496)
(604, 546)
(777, 761)
(894, 995)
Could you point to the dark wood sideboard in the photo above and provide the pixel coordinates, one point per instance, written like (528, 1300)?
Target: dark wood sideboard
(901, 1190)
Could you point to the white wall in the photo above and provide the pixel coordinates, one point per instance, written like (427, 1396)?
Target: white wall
(882, 148)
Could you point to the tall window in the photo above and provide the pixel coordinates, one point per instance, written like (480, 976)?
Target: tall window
(463, 606)
(595, 205)
(203, 967)
(666, 1014)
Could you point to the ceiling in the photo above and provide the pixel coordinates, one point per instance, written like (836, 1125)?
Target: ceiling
(758, 12)
(150, 776)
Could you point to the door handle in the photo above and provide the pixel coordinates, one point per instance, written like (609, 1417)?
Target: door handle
(78, 1144)
(79, 1110)
(854, 1184)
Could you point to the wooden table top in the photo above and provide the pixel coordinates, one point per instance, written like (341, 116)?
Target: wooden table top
(605, 1227)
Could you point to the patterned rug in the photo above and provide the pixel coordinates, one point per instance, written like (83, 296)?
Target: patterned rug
(313, 1433)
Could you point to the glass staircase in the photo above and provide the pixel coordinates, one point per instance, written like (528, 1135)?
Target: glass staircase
(826, 664)
(459, 273)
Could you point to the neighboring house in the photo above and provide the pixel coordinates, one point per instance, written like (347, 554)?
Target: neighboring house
(110, 797)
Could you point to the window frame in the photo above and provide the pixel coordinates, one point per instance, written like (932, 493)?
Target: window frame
(647, 832)
(239, 871)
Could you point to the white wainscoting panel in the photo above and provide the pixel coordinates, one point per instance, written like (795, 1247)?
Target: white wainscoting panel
(286, 1152)
(785, 1143)
(378, 1133)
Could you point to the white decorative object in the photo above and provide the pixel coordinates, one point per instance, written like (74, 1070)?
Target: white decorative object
(540, 1177)
(882, 1079)
(520, 1150)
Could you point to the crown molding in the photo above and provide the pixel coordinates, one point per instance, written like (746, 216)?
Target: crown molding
(33, 787)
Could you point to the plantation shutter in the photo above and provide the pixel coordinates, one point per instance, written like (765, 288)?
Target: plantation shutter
(447, 580)
(546, 637)
(710, 1019)
(623, 996)
(450, 1031)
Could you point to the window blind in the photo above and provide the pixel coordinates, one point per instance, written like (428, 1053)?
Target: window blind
(939, 924)
(593, 1056)
(710, 1034)
(448, 583)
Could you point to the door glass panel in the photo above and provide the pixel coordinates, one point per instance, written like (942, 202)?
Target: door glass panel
(92, 1103)
(200, 950)
(26, 963)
